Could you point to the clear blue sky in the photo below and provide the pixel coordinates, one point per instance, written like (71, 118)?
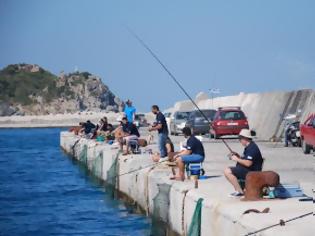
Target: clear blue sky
(249, 46)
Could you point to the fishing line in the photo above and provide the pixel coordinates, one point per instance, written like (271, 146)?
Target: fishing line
(174, 79)
(141, 168)
(281, 223)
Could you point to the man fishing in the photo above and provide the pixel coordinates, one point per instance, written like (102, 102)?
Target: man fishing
(194, 153)
(161, 126)
(250, 161)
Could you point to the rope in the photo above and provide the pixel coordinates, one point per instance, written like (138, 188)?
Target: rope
(281, 223)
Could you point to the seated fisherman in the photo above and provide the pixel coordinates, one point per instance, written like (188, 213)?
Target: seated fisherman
(104, 127)
(194, 153)
(170, 151)
(88, 128)
(250, 161)
(130, 133)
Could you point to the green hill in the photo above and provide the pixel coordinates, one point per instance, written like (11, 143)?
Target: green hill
(30, 89)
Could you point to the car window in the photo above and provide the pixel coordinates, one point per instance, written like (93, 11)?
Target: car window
(182, 115)
(232, 115)
(208, 113)
(313, 121)
(168, 114)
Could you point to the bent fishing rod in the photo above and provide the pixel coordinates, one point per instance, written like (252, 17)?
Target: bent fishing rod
(174, 79)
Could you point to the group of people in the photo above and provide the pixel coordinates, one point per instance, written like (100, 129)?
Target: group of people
(192, 152)
(250, 160)
(91, 131)
(123, 134)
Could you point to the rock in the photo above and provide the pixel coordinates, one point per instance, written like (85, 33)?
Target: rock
(51, 94)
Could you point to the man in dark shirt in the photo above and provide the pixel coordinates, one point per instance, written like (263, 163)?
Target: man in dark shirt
(130, 133)
(250, 161)
(194, 153)
(161, 127)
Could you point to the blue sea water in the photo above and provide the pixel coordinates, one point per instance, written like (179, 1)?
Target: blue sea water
(44, 192)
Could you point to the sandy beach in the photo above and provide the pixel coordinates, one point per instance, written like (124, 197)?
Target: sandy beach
(59, 120)
(54, 120)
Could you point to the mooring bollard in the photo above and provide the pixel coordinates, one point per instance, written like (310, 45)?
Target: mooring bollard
(196, 183)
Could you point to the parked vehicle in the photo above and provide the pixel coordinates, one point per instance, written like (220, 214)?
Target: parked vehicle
(140, 120)
(197, 123)
(292, 131)
(168, 119)
(178, 121)
(228, 121)
(292, 134)
(308, 134)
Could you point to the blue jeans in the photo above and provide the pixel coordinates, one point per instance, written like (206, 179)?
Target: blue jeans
(162, 143)
(192, 158)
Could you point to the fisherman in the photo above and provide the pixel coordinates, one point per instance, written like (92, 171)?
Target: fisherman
(130, 133)
(130, 111)
(169, 149)
(88, 129)
(251, 160)
(193, 153)
(161, 126)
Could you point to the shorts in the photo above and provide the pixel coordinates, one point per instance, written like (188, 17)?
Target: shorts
(239, 172)
(192, 158)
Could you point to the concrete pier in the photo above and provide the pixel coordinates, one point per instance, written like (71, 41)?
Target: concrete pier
(174, 202)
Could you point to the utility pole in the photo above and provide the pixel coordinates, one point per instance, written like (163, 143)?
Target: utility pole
(214, 91)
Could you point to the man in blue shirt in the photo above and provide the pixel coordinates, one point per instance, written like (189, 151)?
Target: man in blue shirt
(194, 153)
(161, 126)
(130, 111)
(250, 161)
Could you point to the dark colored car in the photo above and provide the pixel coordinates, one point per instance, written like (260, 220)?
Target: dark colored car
(228, 121)
(308, 134)
(197, 122)
(178, 121)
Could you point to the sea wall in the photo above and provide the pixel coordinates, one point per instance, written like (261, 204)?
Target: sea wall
(265, 111)
(174, 202)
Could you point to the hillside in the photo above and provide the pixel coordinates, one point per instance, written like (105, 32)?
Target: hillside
(30, 90)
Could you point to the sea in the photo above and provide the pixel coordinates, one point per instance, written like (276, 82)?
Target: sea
(45, 192)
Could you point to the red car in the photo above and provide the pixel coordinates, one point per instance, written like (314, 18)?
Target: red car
(308, 134)
(228, 121)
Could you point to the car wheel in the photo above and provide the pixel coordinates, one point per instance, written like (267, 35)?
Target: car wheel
(306, 148)
(216, 136)
(299, 144)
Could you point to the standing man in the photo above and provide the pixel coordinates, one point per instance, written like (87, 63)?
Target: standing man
(193, 153)
(251, 160)
(130, 111)
(161, 126)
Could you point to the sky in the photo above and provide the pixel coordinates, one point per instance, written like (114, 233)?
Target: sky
(236, 46)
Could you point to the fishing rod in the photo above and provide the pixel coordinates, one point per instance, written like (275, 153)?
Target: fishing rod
(174, 79)
(281, 223)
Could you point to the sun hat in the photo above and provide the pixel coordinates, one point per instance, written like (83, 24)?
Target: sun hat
(246, 133)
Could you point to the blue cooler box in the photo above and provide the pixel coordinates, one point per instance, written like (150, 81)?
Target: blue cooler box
(288, 191)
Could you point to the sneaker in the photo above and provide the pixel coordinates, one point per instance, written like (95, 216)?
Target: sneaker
(162, 159)
(236, 194)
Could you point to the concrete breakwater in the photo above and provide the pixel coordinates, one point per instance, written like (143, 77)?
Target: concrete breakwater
(174, 202)
(265, 111)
